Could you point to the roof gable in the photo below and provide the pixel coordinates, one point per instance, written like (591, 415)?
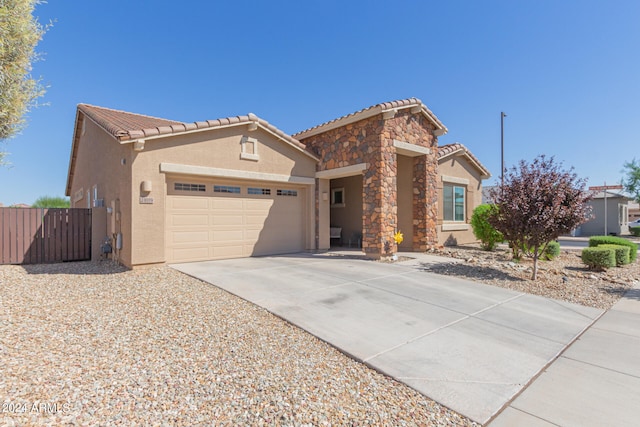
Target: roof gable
(414, 104)
(127, 127)
(457, 149)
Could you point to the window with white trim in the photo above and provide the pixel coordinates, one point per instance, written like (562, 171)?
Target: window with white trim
(291, 193)
(454, 202)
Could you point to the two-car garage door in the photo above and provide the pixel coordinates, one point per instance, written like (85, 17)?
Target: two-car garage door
(216, 220)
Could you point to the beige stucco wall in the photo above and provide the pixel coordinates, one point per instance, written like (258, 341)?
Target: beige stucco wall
(218, 148)
(456, 233)
(101, 161)
(349, 216)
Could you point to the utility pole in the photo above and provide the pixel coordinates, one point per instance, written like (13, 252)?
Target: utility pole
(502, 116)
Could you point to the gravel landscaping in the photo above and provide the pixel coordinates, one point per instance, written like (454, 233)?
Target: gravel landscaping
(94, 344)
(565, 277)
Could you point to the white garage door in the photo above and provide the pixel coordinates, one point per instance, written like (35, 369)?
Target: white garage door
(217, 220)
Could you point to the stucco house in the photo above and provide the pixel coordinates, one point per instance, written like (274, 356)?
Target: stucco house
(166, 191)
(616, 216)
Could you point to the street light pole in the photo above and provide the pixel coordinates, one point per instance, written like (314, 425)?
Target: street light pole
(502, 116)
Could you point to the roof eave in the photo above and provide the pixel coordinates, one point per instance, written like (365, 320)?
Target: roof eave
(440, 128)
(463, 151)
(72, 155)
(257, 122)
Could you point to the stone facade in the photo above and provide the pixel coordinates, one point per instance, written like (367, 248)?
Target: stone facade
(371, 141)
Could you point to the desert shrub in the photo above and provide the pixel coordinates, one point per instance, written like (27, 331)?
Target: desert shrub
(484, 231)
(635, 231)
(552, 251)
(613, 240)
(597, 258)
(622, 253)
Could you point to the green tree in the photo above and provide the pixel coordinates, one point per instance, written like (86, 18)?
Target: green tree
(482, 229)
(51, 202)
(631, 182)
(20, 32)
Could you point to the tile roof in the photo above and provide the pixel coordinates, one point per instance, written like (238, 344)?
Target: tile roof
(371, 111)
(126, 126)
(445, 151)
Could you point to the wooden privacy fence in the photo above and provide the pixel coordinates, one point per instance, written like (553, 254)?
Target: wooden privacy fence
(35, 235)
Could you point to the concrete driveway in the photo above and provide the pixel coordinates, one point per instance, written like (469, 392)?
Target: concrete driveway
(470, 347)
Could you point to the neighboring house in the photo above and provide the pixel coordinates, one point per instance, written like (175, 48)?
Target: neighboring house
(617, 215)
(634, 211)
(236, 187)
(460, 176)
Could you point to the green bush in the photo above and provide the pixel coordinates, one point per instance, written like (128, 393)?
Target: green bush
(613, 240)
(484, 231)
(635, 231)
(552, 251)
(622, 253)
(597, 258)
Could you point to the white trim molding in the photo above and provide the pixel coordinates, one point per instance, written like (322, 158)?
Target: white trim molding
(232, 173)
(246, 154)
(411, 150)
(454, 180)
(352, 170)
(456, 227)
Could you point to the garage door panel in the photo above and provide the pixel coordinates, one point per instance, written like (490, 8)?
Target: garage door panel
(255, 219)
(189, 219)
(228, 235)
(190, 254)
(259, 205)
(233, 251)
(233, 225)
(190, 237)
(226, 218)
(188, 202)
(227, 203)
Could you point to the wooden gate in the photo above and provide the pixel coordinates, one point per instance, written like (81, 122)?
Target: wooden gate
(35, 235)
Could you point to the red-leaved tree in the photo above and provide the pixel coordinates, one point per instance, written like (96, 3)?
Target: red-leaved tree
(538, 203)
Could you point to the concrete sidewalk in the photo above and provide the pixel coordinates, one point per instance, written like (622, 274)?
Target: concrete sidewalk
(595, 382)
(468, 346)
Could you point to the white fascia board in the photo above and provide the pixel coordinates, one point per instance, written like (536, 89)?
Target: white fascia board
(342, 172)
(411, 150)
(233, 174)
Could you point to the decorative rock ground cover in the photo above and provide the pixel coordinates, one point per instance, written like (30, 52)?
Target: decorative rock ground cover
(93, 344)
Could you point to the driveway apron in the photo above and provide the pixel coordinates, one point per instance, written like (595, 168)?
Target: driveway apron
(468, 346)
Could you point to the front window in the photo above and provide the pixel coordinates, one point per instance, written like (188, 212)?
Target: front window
(337, 198)
(453, 203)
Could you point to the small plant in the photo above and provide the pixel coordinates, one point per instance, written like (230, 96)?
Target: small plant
(613, 240)
(484, 231)
(635, 231)
(552, 250)
(621, 252)
(597, 258)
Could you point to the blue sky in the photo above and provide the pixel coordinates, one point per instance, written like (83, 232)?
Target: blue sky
(565, 72)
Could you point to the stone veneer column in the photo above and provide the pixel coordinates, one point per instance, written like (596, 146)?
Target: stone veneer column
(380, 207)
(425, 204)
